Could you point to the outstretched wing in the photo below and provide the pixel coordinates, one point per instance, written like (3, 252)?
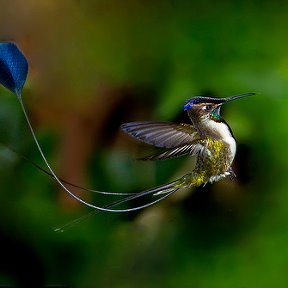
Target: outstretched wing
(161, 134)
(178, 139)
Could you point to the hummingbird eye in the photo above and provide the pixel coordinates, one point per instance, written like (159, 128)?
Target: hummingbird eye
(207, 107)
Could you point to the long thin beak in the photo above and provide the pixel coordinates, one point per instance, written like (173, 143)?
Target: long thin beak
(225, 100)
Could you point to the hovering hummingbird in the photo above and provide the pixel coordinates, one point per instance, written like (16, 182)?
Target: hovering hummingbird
(209, 138)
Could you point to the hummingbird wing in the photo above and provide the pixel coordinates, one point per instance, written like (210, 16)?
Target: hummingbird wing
(178, 139)
(161, 134)
(192, 149)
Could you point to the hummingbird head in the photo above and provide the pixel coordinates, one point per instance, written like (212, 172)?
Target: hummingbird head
(208, 108)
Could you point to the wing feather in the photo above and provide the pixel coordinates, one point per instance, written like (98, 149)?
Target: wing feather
(161, 134)
(191, 149)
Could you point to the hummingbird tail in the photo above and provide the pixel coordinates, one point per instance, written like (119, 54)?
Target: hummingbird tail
(160, 193)
(163, 191)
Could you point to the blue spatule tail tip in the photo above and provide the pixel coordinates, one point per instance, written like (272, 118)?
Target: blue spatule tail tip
(13, 67)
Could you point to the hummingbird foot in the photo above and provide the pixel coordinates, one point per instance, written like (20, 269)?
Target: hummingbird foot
(232, 175)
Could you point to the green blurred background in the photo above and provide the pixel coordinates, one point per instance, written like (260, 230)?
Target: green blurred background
(97, 64)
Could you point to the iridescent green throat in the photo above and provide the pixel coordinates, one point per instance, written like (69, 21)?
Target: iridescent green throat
(216, 116)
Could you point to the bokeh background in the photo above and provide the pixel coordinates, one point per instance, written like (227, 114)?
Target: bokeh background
(97, 64)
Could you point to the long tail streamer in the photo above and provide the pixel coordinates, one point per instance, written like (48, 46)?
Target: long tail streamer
(13, 74)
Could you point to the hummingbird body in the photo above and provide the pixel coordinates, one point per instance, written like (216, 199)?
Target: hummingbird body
(219, 146)
(212, 165)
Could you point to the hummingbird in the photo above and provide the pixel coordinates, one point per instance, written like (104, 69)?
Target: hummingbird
(208, 138)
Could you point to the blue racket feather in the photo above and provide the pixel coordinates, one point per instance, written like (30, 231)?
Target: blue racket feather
(13, 67)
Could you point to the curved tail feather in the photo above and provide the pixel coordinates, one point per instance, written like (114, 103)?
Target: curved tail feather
(163, 190)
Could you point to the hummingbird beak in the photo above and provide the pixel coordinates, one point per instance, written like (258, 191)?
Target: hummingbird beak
(225, 100)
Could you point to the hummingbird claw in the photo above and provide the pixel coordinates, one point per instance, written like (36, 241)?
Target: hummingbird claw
(232, 175)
